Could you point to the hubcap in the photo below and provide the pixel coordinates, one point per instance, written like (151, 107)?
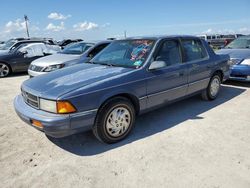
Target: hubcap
(4, 70)
(215, 86)
(118, 121)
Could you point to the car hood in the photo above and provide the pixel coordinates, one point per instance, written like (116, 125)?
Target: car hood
(57, 83)
(54, 59)
(235, 53)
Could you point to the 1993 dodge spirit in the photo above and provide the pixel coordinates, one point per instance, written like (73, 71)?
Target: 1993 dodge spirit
(128, 78)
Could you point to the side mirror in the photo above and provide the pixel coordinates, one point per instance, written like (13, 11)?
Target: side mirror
(157, 65)
(24, 52)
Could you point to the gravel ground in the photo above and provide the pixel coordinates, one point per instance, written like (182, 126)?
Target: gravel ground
(192, 143)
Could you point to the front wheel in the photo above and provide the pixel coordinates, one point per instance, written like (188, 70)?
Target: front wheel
(114, 120)
(4, 70)
(213, 88)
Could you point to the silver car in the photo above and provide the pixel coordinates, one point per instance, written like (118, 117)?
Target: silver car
(53, 62)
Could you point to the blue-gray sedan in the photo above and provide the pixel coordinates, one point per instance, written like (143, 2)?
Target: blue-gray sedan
(128, 78)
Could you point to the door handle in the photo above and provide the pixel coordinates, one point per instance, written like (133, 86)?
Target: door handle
(194, 66)
(181, 73)
(209, 66)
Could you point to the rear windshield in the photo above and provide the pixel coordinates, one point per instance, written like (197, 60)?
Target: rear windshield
(77, 48)
(239, 43)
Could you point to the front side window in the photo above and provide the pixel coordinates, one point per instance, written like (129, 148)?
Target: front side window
(194, 50)
(32, 50)
(169, 52)
(127, 53)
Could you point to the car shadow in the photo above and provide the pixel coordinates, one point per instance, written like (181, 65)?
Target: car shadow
(85, 144)
(17, 74)
(237, 83)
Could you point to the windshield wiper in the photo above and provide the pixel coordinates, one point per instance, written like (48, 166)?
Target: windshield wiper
(99, 63)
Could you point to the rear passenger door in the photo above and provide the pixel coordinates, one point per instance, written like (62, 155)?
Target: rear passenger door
(169, 82)
(199, 66)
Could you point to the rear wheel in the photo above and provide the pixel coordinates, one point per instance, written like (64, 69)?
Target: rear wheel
(114, 120)
(4, 70)
(213, 88)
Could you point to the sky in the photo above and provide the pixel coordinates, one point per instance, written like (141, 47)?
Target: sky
(100, 19)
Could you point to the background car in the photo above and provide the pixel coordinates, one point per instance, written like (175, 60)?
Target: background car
(14, 43)
(66, 42)
(239, 52)
(18, 59)
(72, 55)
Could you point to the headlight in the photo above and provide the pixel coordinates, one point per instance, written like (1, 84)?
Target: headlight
(245, 62)
(234, 61)
(48, 105)
(59, 107)
(53, 67)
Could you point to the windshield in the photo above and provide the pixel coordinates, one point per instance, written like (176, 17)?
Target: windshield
(125, 53)
(242, 42)
(8, 44)
(77, 48)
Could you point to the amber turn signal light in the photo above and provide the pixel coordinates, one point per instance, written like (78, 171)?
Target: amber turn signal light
(65, 107)
(37, 123)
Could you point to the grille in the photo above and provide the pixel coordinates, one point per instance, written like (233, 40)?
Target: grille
(36, 68)
(30, 99)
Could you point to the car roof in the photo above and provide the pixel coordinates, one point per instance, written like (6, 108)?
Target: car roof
(158, 37)
(29, 41)
(96, 42)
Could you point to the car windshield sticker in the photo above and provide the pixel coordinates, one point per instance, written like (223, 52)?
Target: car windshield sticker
(138, 62)
(139, 52)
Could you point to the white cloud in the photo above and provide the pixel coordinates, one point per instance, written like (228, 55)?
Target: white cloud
(83, 26)
(52, 27)
(58, 16)
(35, 28)
(208, 31)
(14, 26)
(106, 25)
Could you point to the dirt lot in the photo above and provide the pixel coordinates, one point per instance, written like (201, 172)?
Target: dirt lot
(192, 143)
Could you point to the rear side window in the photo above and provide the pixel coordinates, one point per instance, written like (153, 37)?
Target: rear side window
(194, 50)
(169, 52)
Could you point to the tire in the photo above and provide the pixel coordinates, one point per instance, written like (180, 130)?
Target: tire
(114, 120)
(212, 89)
(4, 70)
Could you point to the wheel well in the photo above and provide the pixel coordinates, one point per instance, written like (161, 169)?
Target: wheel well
(220, 73)
(133, 99)
(7, 65)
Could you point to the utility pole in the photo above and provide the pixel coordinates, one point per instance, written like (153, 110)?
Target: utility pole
(26, 23)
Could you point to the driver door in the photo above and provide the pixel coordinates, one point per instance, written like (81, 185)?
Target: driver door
(170, 82)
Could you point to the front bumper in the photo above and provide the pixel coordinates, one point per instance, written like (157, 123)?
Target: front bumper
(240, 72)
(55, 125)
(34, 73)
